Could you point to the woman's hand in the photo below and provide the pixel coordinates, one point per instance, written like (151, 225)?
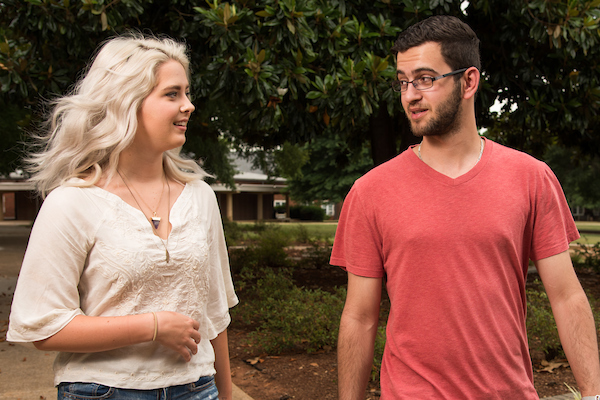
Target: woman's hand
(178, 332)
(175, 331)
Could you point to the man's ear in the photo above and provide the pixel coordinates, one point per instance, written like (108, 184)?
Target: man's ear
(471, 82)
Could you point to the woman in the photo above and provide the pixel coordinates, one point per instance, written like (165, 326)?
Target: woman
(126, 271)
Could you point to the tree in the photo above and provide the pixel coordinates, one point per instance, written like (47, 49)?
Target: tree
(316, 71)
(298, 70)
(578, 174)
(330, 170)
(542, 59)
(45, 45)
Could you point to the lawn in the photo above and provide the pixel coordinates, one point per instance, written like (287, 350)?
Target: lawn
(587, 227)
(322, 231)
(326, 230)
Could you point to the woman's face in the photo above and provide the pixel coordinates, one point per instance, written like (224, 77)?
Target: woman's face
(163, 116)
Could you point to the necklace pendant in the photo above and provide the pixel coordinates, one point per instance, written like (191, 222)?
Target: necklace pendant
(155, 222)
(167, 256)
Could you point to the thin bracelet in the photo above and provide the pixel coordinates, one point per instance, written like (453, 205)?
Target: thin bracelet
(155, 326)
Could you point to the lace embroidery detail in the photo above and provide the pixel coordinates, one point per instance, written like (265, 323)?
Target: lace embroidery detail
(129, 266)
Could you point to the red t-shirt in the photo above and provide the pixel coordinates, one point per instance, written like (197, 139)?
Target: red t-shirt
(455, 255)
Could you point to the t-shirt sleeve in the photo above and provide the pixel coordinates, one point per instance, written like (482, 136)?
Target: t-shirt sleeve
(553, 224)
(358, 244)
(221, 295)
(46, 297)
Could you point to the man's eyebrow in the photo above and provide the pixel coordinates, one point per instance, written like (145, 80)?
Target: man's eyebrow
(417, 71)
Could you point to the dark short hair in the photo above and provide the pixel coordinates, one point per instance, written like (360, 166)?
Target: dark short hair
(460, 45)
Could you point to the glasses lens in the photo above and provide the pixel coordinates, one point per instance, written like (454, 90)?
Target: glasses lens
(423, 83)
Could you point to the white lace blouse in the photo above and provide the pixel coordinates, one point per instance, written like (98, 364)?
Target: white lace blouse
(91, 253)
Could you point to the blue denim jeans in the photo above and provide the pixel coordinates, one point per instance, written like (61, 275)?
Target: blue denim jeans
(203, 389)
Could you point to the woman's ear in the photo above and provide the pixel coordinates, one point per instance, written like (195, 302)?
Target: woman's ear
(471, 79)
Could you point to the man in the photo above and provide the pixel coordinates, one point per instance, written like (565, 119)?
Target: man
(451, 224)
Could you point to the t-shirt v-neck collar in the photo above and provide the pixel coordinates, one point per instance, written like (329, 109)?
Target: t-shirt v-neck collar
(445, 179)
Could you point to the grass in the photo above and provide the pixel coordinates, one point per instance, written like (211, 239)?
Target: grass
(314, 230)
(326, 230)
(588, 238)
(588, 225)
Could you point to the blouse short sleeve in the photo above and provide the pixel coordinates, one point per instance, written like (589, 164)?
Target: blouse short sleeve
(46, 298)
(221, 291)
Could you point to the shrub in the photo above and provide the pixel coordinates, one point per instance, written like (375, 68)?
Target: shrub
(302, 235)
(287, 317)
(307, 213)
(587, 256)
(269, 251)
(258, 227)
(316, 257)
(378, 354)
(233, 232)
(541, 324)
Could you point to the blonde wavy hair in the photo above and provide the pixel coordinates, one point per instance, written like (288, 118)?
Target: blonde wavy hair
(90, 127)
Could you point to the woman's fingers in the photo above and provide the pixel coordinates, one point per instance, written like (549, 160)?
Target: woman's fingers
(179, 333)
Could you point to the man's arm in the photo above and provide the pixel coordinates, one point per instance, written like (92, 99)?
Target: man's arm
(356, 340)
(574, 320)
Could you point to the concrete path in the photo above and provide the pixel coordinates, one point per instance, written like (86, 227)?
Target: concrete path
(25, 372)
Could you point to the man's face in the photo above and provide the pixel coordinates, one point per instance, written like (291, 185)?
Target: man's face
(435, 111)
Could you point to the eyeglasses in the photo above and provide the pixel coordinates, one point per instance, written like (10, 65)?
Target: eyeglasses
(422, 83)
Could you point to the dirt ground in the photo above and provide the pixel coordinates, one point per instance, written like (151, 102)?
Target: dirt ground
(314, 376)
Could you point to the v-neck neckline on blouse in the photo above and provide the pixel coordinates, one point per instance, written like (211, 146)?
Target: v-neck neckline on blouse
(139, 214)
(445, 179)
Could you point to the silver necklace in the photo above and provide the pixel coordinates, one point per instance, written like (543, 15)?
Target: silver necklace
(152, 220)
(155, 219)
(481, 146)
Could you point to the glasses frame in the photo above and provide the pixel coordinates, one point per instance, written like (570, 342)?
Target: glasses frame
(397, 84)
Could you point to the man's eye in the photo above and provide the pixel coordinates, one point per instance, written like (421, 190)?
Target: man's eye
(425, 80)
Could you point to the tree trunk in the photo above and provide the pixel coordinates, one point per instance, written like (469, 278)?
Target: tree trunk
(406, 136)
(387, 134)
(383, 136)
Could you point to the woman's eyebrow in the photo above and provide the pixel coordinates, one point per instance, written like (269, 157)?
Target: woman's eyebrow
(172, 87)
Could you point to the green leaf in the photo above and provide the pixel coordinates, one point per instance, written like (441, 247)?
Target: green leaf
(290, 26)
(104, 21)
(314, 95)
